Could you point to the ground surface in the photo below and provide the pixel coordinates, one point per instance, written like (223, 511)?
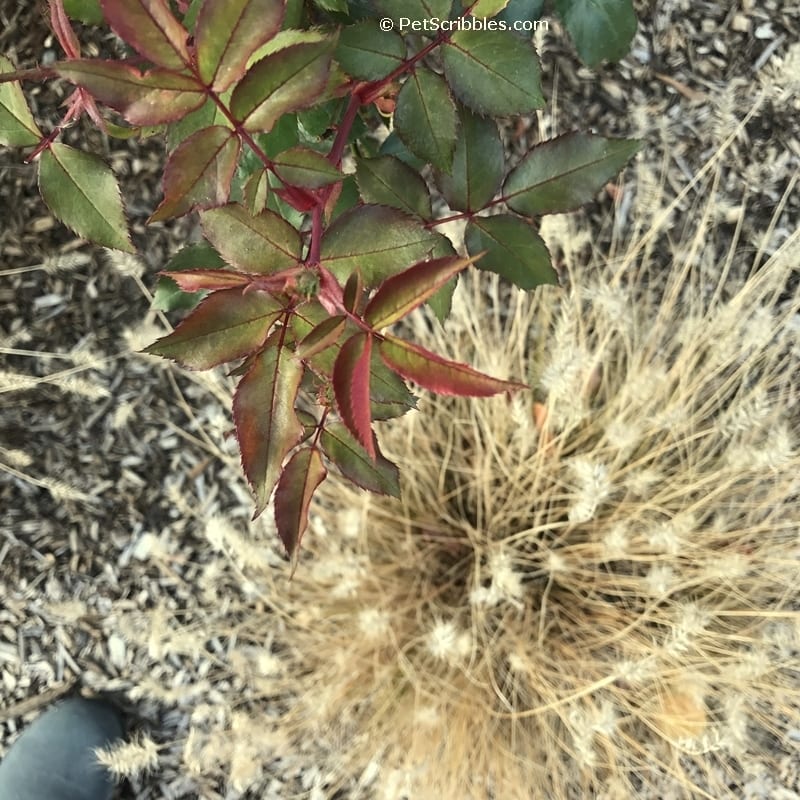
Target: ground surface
(102, 454)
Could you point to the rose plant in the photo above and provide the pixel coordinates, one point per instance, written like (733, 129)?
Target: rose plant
(320, 233)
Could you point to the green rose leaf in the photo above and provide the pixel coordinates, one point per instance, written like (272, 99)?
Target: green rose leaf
(300, 166)
(267, 426)
(149, 98)
(227, 325)
(87, 11)
(17, 126)
(262, 243)
(564, 173)
(286, 80)
(478, 164)
(493, 72)
(228, 32)
(198, 173)
(425, 118)
(376, 475)
(388, 181)
(415, 10)
(601, 29)
(368, 53)
(150, 27)
(81, 191)
(380, 241)
(168, 296)
(439, 374)
(513, 249)
(299, 480)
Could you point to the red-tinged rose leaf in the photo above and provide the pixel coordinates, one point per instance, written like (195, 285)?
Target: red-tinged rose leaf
(228, 32)
(227, 325)
(300, 478)
(286, 80)
(149, 27)
(377, 475)
(196, 280)
(439, 374)
(297, 198)
(266, 423)
(324, 335)
(263, 243)
(149, 98)
(81, 191)
(63, 30)
(400, 294)
(351, 388)
(198, 173)
(353, 291)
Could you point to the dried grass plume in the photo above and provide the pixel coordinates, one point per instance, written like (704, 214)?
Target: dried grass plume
(589, 591)
(586, 591)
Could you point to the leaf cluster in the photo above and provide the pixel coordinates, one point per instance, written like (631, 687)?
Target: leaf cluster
(319, 234)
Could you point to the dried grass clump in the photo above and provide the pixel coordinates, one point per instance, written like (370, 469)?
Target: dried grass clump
(587, 591)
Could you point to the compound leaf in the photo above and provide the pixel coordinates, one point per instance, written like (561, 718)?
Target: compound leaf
(513, 249)
(199, 171)
(227, 325)
(262, 243)
(564, 173)
(493, 72)
(267, 426)
(425, 118)
(81, 191)
(300, 478)
(228, 32)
